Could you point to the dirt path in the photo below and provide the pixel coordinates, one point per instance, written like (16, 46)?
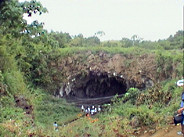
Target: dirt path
(170, 132)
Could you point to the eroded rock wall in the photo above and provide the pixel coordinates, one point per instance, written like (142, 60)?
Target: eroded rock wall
(91, 75)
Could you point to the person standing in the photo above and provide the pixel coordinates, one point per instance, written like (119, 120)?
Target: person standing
(181, 112)
(99, 109)
(82, 108)
(55, 126)
(89, 110)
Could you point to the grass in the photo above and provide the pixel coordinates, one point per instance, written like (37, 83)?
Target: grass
(112, 50)
(115, 121)
(49, 109)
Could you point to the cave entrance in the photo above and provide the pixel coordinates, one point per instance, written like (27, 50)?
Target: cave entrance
(98, 85)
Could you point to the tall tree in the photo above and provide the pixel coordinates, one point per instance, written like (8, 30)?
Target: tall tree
(136, 39)
(11, 17)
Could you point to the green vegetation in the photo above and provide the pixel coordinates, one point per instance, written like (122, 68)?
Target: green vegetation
(26, 52)
(49, 109)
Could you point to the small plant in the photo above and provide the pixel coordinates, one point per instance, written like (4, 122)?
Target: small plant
(131, 95)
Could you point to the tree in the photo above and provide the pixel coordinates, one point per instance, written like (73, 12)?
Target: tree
(92, 41)
(136, 39)
(100, 33)
(11, 17)
(126, 42)
(177, 40)
(77, 41)
(63, 39)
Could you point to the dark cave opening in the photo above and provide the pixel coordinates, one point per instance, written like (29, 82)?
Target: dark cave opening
(97, 85)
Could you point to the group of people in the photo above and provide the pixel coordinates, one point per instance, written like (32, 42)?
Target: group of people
(91, 109)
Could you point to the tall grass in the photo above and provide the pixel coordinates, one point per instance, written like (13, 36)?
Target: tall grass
(110, 50)
(49, 109)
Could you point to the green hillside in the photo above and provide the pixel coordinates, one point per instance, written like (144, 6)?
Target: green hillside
(28, 85)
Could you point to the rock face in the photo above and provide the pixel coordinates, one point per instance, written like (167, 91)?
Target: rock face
(23, 103)
(88, 75)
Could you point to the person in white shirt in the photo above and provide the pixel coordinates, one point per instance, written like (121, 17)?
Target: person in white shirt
(82, 108)
(55, 126)
(99, 109)
(89, 110)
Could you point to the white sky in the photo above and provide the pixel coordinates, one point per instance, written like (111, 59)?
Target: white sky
(149, 19)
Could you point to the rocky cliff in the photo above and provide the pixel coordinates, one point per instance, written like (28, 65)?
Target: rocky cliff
(89, 75)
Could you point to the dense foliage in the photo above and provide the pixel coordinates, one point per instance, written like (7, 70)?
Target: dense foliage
(26, 52)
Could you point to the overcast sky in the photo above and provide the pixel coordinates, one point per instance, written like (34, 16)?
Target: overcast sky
(149, 19)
